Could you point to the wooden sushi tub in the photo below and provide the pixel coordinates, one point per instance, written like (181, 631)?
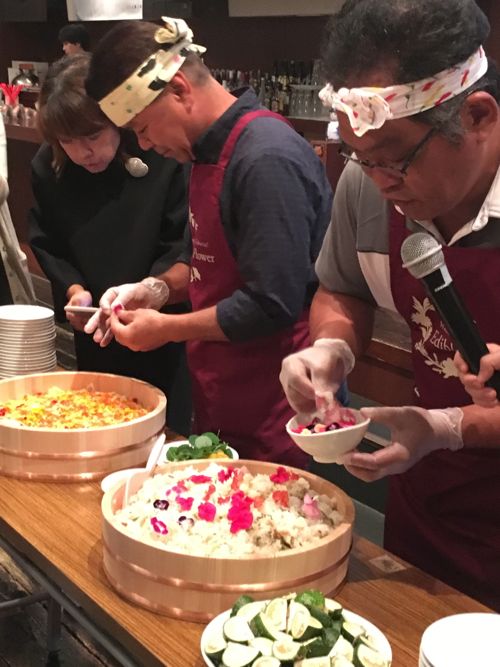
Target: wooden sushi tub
(74, 455)
(197, 588)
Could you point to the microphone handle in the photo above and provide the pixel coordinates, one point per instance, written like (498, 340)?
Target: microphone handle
(460, 325)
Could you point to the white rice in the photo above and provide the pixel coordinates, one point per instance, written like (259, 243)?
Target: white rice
(274, 528)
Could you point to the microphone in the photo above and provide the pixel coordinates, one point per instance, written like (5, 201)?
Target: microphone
(423, 256)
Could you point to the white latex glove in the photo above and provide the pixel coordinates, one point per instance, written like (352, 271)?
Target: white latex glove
(415, 432)
(312, 376)
(475, 385)
(79, 320)
(149, 293)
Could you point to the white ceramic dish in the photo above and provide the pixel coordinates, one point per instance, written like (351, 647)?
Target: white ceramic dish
(217, 623)
(329, 446)
(121, 475)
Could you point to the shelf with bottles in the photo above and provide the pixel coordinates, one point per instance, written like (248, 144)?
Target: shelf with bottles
(291, 88)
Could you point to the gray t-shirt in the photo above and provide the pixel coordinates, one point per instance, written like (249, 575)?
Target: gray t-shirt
(354, 258)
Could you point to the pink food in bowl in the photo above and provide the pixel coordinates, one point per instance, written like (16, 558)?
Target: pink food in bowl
(346, 418)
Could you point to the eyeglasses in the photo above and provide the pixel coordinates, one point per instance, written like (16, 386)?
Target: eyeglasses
(397, 169)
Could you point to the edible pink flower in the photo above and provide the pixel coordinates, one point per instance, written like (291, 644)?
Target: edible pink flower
(200, 479)
(159, 526)
(180, 487)
(207, 511)
(209, 493)
(281, 498)
(310, 507)
(242, 521)
(224, 474)
(281, 476)
(185, 503)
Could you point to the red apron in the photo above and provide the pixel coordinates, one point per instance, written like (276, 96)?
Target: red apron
(236, 388)
(443, 515)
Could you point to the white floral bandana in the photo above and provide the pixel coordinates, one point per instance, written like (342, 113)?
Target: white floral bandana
(369, 108)
(145, 84)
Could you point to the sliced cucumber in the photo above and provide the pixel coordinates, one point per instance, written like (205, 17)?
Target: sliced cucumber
(264, 645)
(313, 662)
(352, 631)
(236, 629)
(334, 608)
(262, 626)
(364, 656)
(277, 611)
(251, 609)
(215, 647)
(330, 636)
(367, 640)
(343, 648)
(267, 662)
(240, 602)
(341, 661)
(322, 616)
(286, 650)
(315, 649)
(313, 629)
(239, 655)
(298, 619)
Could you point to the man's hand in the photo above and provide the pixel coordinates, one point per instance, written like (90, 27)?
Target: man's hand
(312, 376)
(415, 432)
(141, 330)
(475, 385)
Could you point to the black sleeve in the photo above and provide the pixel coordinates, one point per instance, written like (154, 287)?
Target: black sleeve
(46, 243)
(172, 242)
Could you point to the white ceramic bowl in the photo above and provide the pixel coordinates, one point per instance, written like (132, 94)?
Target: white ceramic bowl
(329, 446)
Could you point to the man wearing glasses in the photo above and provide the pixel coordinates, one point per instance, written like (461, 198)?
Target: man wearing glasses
(417, 106)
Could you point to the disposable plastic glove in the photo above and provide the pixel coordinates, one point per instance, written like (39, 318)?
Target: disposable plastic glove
(79, 320)
(474, 385)
(149, 293)
(415, 432)
(311, 377)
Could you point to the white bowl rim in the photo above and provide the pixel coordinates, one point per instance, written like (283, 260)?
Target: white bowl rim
(364, 422)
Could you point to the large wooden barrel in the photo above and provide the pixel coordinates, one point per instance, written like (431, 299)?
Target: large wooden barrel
(197, 588)
(75, 455)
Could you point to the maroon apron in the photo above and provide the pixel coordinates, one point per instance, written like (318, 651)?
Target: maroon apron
(236, 388)
(443, 514)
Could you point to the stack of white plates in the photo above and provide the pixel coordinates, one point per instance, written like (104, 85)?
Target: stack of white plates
(27, 340)
(463, 640)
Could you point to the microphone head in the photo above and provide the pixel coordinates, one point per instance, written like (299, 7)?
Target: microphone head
(422, 254)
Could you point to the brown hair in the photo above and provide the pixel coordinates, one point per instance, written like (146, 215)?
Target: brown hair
(123, 49)
(64, 108)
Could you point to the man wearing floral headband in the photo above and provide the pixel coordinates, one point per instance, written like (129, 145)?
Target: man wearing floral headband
(417, 106)
(259, 207)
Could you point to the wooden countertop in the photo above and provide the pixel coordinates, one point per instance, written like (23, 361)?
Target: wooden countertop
(58, 527)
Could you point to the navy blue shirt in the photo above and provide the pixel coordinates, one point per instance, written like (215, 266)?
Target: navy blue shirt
(275, 207)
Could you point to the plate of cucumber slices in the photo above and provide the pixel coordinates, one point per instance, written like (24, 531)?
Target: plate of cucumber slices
(300, 630)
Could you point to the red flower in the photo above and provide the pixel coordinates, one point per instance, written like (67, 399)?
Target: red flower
(185, 503)
(207, 511)
(281, 476)
(222, 500)
(210, 492)
(281, 498)
(179, 487)
(242, 521)
(159, 526)
(200, 479)
(258, 501)
(224, 474)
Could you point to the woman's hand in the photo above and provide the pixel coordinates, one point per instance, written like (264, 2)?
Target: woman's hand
(474, 385)
(79, 320)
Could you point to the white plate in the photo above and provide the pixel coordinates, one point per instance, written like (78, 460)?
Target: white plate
(22, 312)
(479, 642)
(381, 640)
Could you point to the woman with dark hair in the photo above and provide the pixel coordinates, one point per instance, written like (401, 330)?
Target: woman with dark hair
(106, 212)
(259, 206)
(418, 110)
